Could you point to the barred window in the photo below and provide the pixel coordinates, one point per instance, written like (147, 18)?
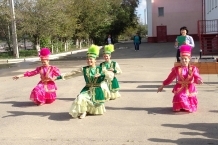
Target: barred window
(160, 11)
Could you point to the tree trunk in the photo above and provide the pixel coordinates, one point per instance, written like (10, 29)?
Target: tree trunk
(37, 45)
(65, 45)
(57, 50)
(77, 43)
(52, 48)
(80, 44)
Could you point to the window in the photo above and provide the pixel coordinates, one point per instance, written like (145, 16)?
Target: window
(212, 4)
(208, 6)
(160, 11)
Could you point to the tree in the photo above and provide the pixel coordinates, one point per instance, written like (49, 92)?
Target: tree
(5, 22)
(61, 21)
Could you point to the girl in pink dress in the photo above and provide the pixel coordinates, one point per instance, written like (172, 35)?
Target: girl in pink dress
(187, 76)
(45, 90)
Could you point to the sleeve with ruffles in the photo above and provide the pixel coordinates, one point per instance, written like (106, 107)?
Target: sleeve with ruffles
(117, 69)
(32, 73)
(196, 75)
(56, 71)
(170, 77)
(71, 74)
(109, 75)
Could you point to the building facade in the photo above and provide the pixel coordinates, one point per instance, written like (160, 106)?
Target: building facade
(166, 17)
(208, 28)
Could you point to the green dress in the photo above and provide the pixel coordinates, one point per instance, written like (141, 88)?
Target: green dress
(93, 84)
(114, 84)
(91, 98)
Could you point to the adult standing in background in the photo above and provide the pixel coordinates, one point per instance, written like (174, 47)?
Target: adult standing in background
(183, 39)
(109, 40)
(137, 41)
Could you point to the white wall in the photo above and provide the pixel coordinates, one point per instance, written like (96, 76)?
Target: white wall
(211, 9)
(149, 17)
(211, 13)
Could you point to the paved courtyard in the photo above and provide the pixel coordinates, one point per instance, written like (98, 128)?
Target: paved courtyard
(140, 117)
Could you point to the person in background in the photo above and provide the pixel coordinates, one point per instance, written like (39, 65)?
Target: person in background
(137, 41)
(109, 40)
(188, 40)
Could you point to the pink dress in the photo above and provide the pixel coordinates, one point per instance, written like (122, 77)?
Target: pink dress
(184, 90)
(45, 90)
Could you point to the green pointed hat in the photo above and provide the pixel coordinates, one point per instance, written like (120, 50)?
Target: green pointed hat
(93, 51)
(108, 49)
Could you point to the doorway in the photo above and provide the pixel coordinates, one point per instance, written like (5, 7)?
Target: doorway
(161, 33)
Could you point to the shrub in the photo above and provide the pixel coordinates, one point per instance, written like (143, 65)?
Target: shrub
(22, 53)
(26, 53)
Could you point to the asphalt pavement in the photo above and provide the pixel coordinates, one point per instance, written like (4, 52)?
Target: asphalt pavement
(140, 117)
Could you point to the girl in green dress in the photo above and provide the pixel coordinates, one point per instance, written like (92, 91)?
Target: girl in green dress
(92, 97)
(114, 67)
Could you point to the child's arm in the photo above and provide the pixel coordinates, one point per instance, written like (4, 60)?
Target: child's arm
(197, 77)
(27, 74)
(17, 77)
(169, 80)
(117, 69)
(160, 89)
(170, 77)
(65, 76)
(109, 75)
(56, 71)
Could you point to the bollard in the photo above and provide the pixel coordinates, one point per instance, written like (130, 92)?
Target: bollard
(200, 53)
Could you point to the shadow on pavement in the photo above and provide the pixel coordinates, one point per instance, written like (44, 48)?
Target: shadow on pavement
(137, 90)
(208, 130)
(215, 111)
(186, 141)
(141, 82)
(19, 104)
(60, 116)
(154, 86)
(152, 110)
(214, 91)
(66, 99)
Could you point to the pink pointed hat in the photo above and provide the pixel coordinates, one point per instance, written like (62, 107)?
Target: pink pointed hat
(44, 53)
(185, 50)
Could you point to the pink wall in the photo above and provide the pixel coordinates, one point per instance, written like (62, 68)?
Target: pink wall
(177, 13)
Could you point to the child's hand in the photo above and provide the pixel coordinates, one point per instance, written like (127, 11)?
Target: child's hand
(52, 79)
(16, 77)
(160, 89)
(97, 75)
(199, 82)
(111, 69)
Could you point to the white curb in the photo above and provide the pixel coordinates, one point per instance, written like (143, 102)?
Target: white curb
(52, 57)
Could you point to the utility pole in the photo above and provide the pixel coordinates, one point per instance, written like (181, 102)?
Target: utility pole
(14, 33)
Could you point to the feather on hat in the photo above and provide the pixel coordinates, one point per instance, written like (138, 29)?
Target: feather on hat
(185, 50)
(44, 53)
(93, 51)
(108, 49)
